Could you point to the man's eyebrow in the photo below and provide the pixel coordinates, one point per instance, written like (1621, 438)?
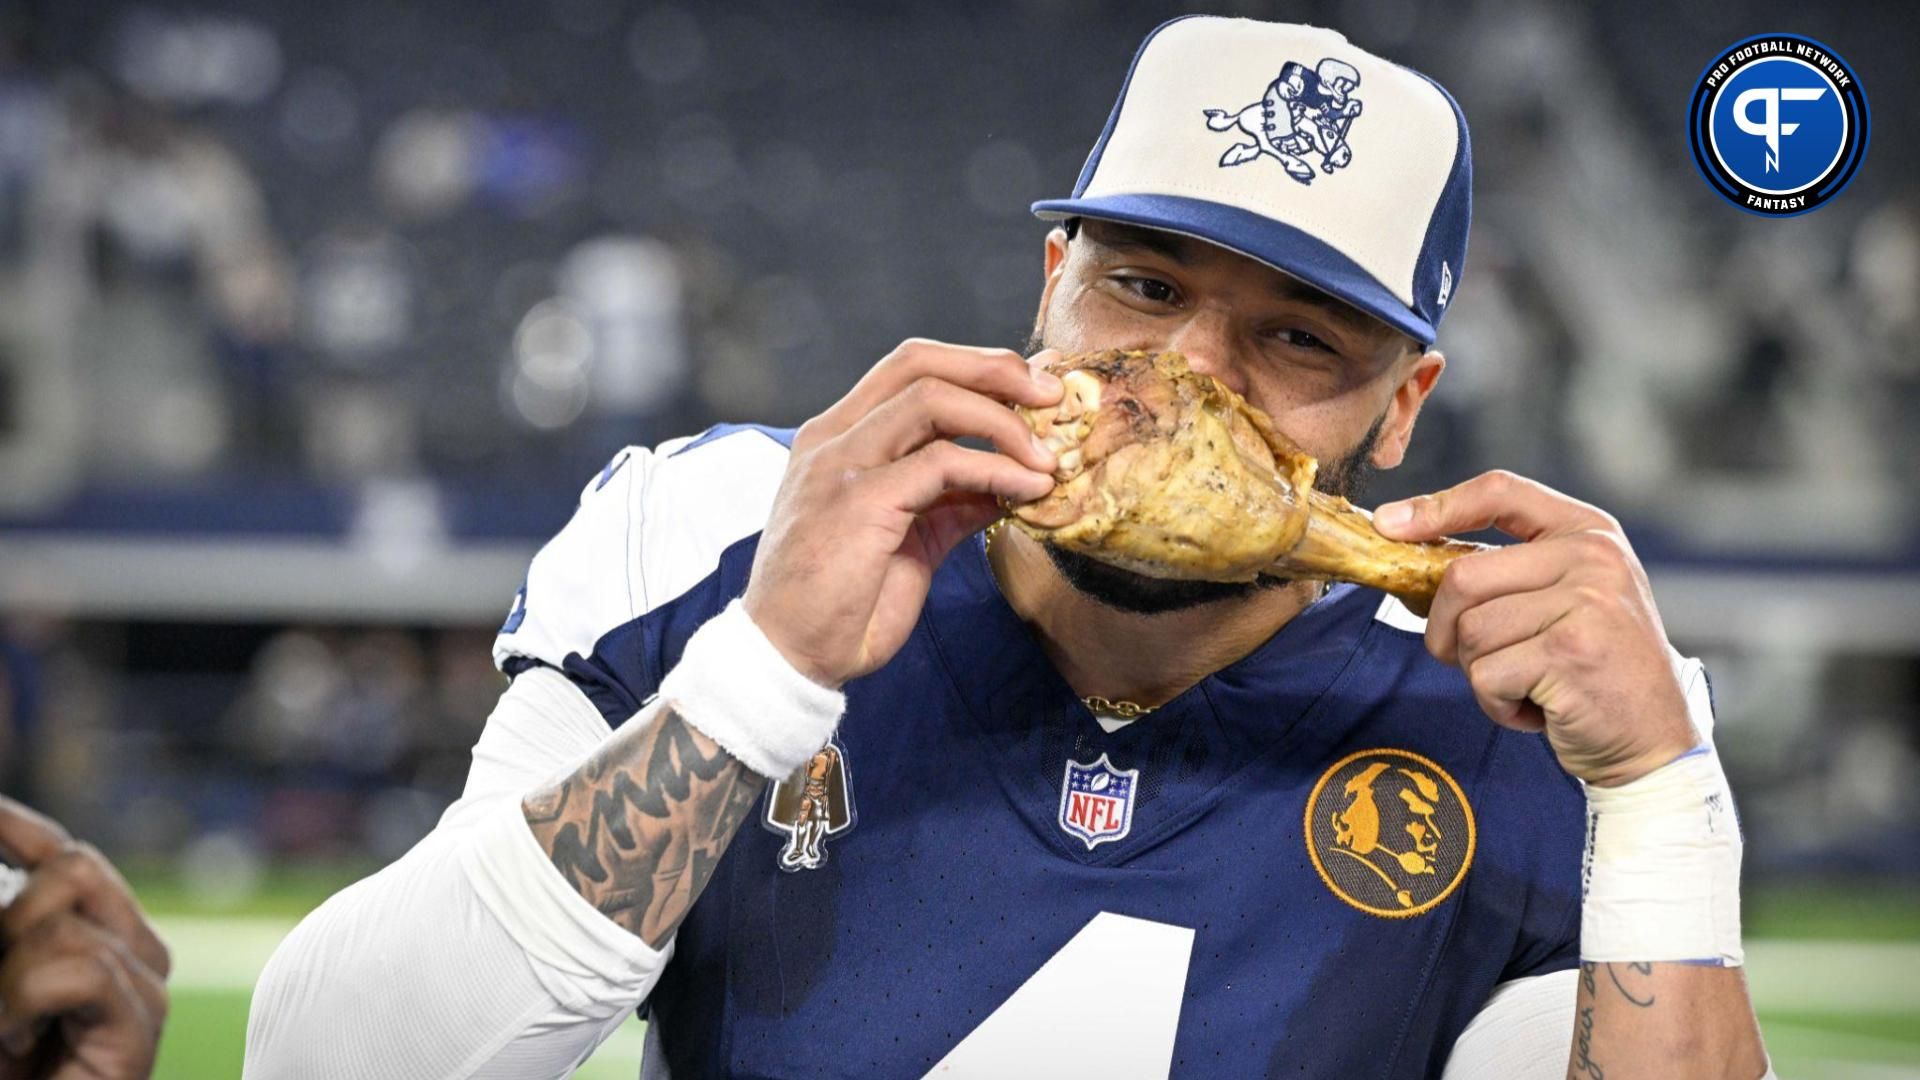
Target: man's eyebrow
(1115, 236)
(1129, 238)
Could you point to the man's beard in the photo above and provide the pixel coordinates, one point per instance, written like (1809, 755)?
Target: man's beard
(1127, 591)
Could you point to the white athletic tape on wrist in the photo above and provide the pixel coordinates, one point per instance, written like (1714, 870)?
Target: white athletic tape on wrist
(1661, 879)
(737, 688)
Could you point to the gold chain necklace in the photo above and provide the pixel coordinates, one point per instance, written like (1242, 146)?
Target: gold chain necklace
(1125, 710)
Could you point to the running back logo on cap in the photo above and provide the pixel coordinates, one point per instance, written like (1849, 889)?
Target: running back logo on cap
(1779, 124)
(1297, 149)
(1303, 112)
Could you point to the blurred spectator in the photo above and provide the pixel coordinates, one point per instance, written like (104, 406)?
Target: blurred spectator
(164, 276)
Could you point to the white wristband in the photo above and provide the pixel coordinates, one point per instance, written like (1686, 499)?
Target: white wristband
(737, 688)
(1661, 880)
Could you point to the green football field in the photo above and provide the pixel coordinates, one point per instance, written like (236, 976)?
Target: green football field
(1833, 974)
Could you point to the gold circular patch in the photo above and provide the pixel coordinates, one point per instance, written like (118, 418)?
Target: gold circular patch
(1390, 832)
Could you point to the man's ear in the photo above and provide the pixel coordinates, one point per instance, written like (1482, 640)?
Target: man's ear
(1055, 265)
(1416, 382)
(1056, 250)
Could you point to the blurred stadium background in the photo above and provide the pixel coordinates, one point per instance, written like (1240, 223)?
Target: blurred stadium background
(314, 317)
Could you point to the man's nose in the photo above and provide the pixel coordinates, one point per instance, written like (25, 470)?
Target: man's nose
(1206, 340)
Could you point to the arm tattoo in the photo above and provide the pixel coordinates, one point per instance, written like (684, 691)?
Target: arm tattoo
(640, 827)
(1583, 1064)
(1642, 969)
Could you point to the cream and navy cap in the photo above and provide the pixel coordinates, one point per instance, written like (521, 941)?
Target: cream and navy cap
(1293, 147)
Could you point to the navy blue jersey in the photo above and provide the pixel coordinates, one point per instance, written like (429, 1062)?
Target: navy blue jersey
(1353, 854)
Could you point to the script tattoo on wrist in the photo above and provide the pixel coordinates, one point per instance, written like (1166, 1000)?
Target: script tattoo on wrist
(640, 827)
(1619, 976)
(1583, 1063)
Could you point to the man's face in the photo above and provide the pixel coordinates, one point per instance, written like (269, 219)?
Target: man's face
(1341, 384)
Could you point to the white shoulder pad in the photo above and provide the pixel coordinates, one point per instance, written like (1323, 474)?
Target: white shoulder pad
(650, 526)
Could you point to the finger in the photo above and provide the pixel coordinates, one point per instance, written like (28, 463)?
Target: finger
(957, 515)
(66, 965)
(1513, 504)
(1001, 374)
(147, 985)
(1506, 620)
(1473, 580)
(132, 973)
(930, 409)
(1504, 682)
(27, 836)
(81, 880)
(919, 480)
(93, 1001)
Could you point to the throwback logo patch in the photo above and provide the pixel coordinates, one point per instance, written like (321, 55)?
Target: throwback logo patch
(1390, 832)
(1779, 124)
(1304, 112)
(814, 803)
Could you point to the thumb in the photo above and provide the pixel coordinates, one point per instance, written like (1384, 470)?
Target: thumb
(1421, 517)
(1521, 508)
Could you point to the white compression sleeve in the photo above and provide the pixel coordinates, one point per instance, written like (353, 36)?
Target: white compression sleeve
(1522, 1033)
(470, 955)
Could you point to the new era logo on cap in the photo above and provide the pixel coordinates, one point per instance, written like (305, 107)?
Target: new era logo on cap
(1291, 146)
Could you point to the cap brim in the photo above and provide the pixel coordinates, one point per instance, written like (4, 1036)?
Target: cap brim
(1279, 245)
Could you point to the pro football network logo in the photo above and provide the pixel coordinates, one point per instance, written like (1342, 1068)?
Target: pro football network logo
(814, 803)
(1390, 832)
(1306, 111)
(1779, 124)
(1096, 801)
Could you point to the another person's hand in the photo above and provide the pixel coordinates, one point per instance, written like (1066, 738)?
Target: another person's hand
(83, 975)
(1558, 632)
(877, 493)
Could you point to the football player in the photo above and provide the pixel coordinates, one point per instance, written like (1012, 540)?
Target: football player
(1106, 825)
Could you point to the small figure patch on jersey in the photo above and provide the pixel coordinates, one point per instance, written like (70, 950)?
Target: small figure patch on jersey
(1096, 801)
(814, 803)
(1304, 112)
(1390, 832)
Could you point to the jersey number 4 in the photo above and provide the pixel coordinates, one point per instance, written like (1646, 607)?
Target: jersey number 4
(1105, 1005)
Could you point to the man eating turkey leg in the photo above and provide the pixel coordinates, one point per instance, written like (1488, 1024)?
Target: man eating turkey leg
(832, 779)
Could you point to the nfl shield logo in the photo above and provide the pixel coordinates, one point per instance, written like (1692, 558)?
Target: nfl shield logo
(1096, 801)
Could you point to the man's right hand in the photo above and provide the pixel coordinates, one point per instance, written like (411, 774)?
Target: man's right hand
(876, 494)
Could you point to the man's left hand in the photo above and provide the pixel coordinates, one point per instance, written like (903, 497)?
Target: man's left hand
(1558, 632)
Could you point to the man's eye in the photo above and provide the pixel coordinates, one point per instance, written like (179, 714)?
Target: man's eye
(1152, 289)
(1300, 339)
